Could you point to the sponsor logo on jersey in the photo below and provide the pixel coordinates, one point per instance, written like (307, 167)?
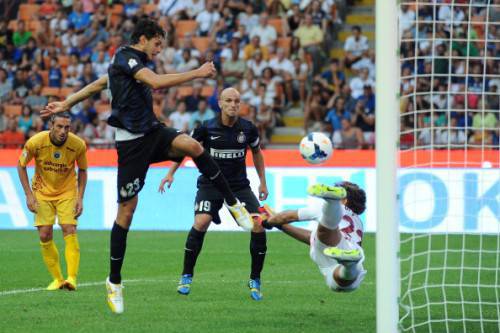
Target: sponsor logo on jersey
(57, 155)
(214, 137)
(227, 153)
(132, 63)
(241, 137)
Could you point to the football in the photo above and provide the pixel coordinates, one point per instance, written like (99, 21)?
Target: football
(316, 148)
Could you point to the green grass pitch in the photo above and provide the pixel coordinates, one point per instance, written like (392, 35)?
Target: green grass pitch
(296, 298)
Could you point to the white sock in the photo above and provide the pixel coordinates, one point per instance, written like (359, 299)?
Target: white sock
(332, 214)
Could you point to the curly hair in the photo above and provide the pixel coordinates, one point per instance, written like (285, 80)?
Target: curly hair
(356, 197)
(148, 28)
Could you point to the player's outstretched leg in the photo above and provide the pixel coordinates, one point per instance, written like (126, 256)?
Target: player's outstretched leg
(115, 296)
(240, 215)
(327, 191)
(343, 255)
(258, 249)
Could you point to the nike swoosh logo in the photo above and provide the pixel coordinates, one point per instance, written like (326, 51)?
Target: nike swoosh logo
(214, 137)
(115, 258)
(261, 253)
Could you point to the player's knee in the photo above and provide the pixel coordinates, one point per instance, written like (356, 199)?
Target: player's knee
(201, 225)
(189, 146)
(68, 229)
(45, 235)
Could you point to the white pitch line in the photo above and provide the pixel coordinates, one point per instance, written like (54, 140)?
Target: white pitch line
(139, 281)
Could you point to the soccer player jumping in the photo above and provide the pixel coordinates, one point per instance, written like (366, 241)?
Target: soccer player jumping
(57, 191)
(335, 245)
(141, 139)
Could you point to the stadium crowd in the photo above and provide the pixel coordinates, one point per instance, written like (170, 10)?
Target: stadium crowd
(450, 103)
(276, 52)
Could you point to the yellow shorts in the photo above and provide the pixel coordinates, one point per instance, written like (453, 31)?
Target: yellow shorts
(47, 211)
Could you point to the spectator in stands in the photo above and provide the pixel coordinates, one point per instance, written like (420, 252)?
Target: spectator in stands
(59, 24)
(453, 136)
(364, 118)
(248, 18)
(207, 18)
(333, 78)
(172, 8)
(5, 86)
(481, 139)
(187, 43)
(299, 78)
(334, 116)
(349, 137)
(265, 121)
(199, 116)
(257, 63)
(284, 68)
(311, 39)
(100, 66)
(261, 97)
(314, 107)
(180, 118)
(193, 99)
(193, 8)
(26, 119)
(88, 75)
(367, 61)
(485, 120)
(21, 36)
(273, 84)
(266, 32)
(48, 9)
(21, 85)
(35, 100)
(319, 16)
(406, 19)
(95, 35)
(221, 33)
(12, 137)
(233, 69)
(294, 18)
(78, 18)
(358, 83)
(55, 73)
(254, 46)
(84, 112)
(248, 86)
(186, 62)
(355, 45)
(105, 133)
(130, 8)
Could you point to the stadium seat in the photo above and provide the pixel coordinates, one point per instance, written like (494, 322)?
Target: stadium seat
(50, 91)
(28, 12)
(63, 60)
(45, 77)
(185, 26)
(201, 43)
(184, 91)
(149, 8)
(277, 23)
(12, 110)
(207, 91)
(284, 43)
(66, 91)
(244, 110)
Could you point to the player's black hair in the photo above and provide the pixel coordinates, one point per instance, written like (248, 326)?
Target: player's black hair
(356, 197)
(147, 28)
(64, 114)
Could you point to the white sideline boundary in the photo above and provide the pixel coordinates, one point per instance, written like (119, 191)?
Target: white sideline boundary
(146, 281)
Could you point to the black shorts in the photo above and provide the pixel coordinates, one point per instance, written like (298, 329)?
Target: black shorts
(135, 156)
(209, 201)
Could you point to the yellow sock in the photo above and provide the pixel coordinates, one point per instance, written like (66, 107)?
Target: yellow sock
(72, 254)
(51, 258)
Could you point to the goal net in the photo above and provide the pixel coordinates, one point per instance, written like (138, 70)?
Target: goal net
(449, 170)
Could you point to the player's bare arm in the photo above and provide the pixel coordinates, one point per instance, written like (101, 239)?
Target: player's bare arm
(84, 93)
(82, 183)
(169, 178)
(31, 201)
(258, 161)
(159, 81)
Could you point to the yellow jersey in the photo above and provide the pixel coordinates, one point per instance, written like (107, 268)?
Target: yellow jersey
(55, 176)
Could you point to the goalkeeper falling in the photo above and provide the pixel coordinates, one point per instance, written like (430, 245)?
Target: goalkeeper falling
(335, 245)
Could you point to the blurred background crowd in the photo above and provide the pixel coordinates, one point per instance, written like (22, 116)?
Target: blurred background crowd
(300, 65)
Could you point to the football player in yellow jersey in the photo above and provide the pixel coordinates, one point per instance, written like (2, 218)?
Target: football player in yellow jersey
(56, 191)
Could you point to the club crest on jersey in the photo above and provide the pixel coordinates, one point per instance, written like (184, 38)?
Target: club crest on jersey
(241, 137)
(57, 155)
